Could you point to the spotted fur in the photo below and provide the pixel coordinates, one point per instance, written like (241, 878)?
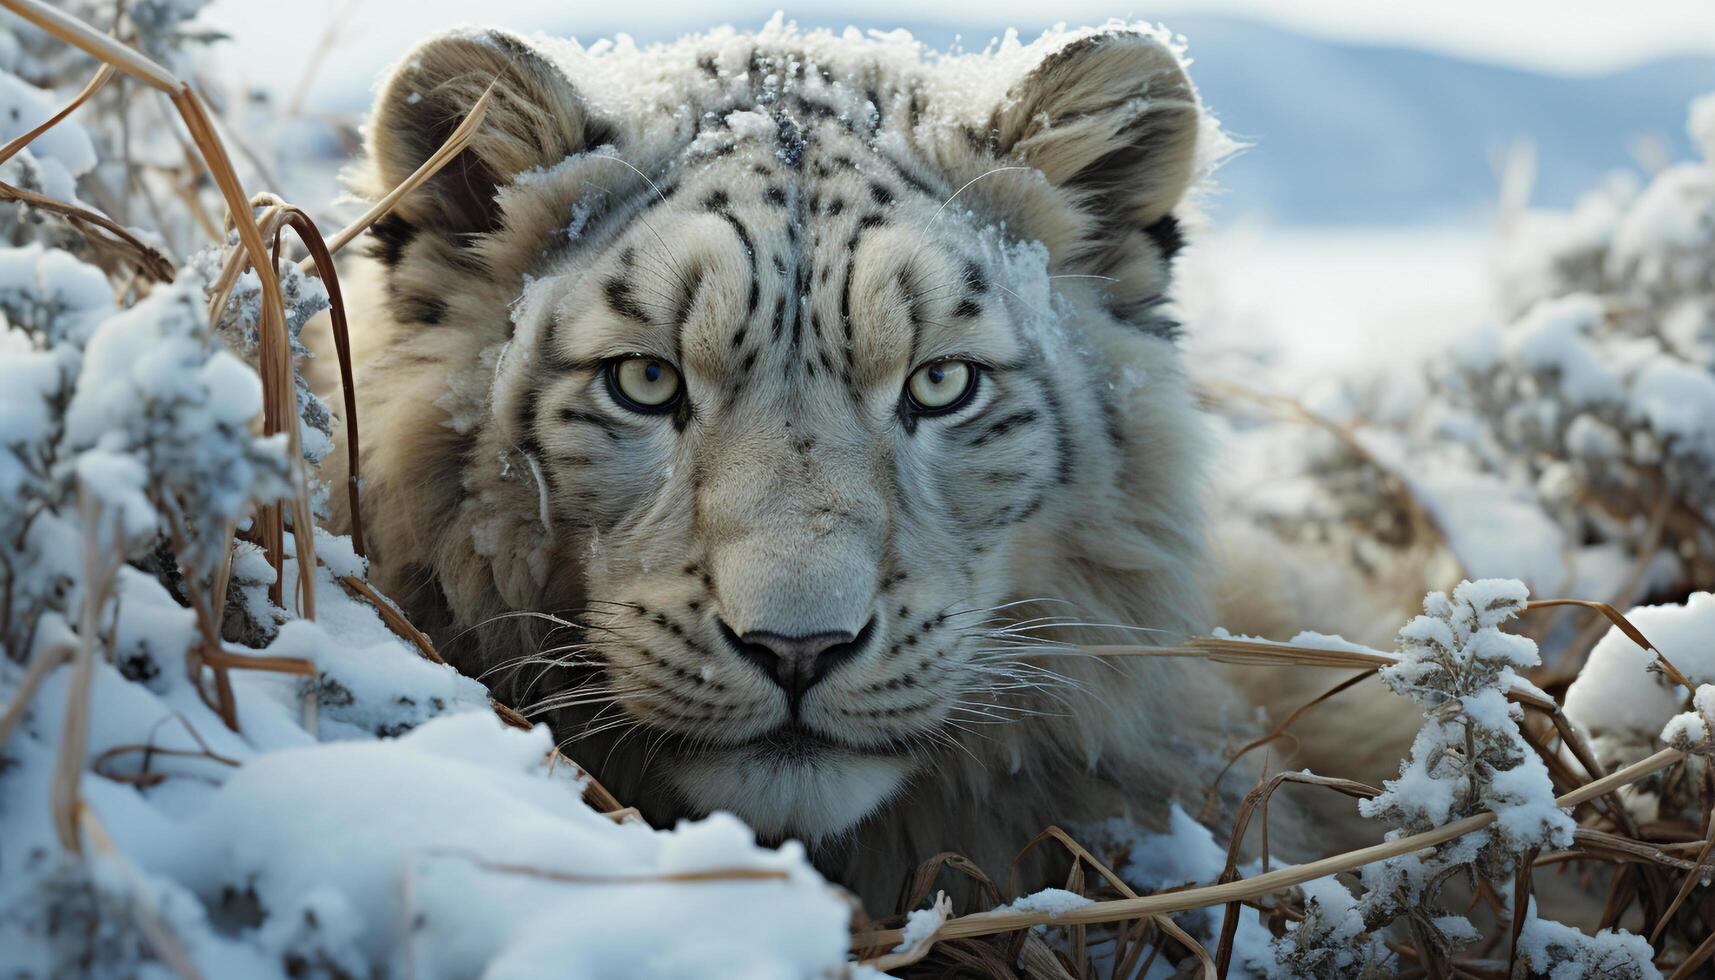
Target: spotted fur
(797, 222)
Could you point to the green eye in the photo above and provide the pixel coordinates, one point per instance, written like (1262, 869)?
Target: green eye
(647, 385)
(940, 386)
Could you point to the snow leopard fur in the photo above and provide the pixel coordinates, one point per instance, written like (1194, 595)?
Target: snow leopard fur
(795, 591)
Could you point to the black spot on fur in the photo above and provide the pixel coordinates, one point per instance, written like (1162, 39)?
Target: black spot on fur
(1002, 426)
(968, 308)
(422, 309)
(1167, 236)
(392, 233)
(974, 278)
(618, 293)
(716, 201)
(750, 255)
(573, 416)
(775, 196)
(880, 194)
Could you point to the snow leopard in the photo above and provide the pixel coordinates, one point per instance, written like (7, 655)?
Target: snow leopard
(796, 422)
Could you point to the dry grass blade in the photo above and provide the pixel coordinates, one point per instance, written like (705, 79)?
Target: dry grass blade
(320, 254)
(1625, 626)
(395, 620)
(1081, 853)
(989, 923)
(100, 577)
(93, 86)
(1258, 652)
(280, 411)
(275, 665)
(1695, 875)
(1698, 957)
(576, 878)
(41, 665)
(148, 777)
(146, 258)
(454, 145)
(1521, 905)
(1241, 825)
(595, 794)
(1279, 731)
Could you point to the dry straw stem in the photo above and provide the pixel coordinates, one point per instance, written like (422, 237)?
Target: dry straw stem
(1259, 652)
(148, 260)
(42, 664)
(989, 923)
(91, 87)
(394, 619)
(575, 878)
(1625, 626)
(100, 575)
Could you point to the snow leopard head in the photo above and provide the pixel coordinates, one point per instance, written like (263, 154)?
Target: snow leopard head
(791, 373)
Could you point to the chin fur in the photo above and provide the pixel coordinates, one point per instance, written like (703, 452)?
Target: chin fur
(816, 798)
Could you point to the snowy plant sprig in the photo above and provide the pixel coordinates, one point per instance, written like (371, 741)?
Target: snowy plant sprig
(158, 387)
(1470, 756)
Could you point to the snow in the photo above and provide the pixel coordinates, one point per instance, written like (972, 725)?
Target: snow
(23, 106)
(1686, 732)
(1617, 700)
(1561, 952)
(1676, 398)
(1051, 902)
(920, 924)
(367, 851)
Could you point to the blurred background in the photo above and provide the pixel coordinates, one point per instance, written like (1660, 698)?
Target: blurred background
(1386, 141)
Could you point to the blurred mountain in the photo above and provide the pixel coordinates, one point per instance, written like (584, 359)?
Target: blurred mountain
(1352, 134)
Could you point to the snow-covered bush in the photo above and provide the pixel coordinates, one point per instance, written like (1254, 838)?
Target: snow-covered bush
(1571, 444)
(1469, 757)
(1600, 393)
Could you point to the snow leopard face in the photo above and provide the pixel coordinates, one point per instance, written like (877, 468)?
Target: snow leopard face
(782, 376)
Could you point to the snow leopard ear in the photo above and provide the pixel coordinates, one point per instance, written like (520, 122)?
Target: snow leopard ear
(1112, 119)
(535, 118)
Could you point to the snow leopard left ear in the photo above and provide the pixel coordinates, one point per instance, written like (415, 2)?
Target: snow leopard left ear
(535, 118)
(1111, 120)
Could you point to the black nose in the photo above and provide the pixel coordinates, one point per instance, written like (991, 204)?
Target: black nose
(797, 663)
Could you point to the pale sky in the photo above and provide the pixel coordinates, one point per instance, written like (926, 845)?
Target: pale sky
(1569, 36)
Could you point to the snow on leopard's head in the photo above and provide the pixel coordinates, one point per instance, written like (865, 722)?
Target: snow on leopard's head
(788, 370)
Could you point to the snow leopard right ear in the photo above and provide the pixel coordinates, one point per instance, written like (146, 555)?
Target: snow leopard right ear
(535, 119)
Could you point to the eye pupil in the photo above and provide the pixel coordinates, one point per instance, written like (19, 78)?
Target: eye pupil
(644, 384)
(941, 387)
